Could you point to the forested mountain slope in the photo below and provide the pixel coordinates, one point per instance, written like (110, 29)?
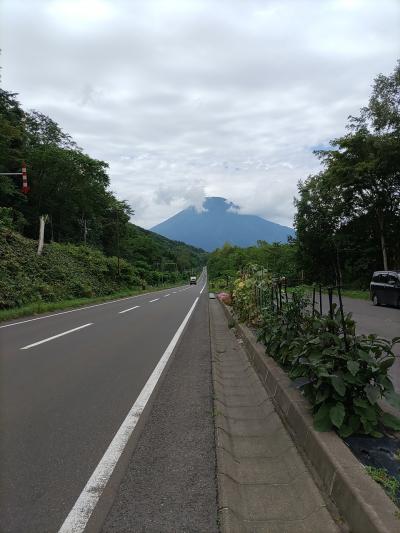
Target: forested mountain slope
(87, 230)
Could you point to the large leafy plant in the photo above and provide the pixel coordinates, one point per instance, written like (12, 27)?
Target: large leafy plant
(344, 374)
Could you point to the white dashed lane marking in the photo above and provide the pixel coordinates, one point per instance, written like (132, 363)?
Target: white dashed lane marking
(56, 336)
(129, 309)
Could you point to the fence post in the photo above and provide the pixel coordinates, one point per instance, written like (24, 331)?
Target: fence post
(330, 295)
(313, 301)
(320, 300)
(342, 317)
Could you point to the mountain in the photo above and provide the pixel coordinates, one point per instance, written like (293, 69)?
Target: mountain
(220, 223)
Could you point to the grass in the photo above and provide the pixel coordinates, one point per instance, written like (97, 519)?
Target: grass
(348, 293)
(36, 308)
(390, 484)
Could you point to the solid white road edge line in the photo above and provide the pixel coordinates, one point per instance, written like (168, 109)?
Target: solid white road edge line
(80, 309)
(155, 299)
(55, 336)
(85, 504)
(201, 292)
(130, 309)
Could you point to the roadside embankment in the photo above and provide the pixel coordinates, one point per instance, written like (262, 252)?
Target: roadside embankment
(64, 276)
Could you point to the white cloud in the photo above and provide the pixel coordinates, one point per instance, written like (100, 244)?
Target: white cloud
(191, 98)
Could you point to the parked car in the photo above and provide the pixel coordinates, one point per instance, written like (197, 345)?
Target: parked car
(385, 288)
(193, 280)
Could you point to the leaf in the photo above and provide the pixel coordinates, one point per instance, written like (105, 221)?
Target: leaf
(369, 413)
(387, 363)
(373, 393)
(322, 421)
(353, 380)
(345, 431)
(353, 366)
(365, 356)
(386, 382)
(321, 395)
(337, 414)
(393, 398)
(367, 425)
(338, 385)
(360, 402)
(390, 421)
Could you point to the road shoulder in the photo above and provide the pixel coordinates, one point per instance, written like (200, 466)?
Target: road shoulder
(170, 485)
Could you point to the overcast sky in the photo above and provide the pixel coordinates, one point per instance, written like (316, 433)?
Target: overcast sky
(186, 99)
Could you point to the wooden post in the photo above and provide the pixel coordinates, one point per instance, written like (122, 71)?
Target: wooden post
(43, 220)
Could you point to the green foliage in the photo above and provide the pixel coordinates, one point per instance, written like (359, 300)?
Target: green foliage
(244, 290)
(157, 258)
(344, 374)
(225, 262)
(348, 215)
(63, 271)
(389, 483)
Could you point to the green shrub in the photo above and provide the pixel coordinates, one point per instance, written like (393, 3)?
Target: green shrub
(345, 374)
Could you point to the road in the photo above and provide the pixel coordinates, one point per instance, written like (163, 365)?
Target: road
(169, 484)
(382, 320)
(67, 382)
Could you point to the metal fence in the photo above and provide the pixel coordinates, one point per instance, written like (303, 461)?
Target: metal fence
(276, 294)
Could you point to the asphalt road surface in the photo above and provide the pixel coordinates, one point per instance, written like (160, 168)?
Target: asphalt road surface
(67, 382)
(169, 485)
(382, 320)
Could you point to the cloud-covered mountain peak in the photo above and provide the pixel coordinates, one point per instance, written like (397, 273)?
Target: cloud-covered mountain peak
(218, 204)
(218, 223)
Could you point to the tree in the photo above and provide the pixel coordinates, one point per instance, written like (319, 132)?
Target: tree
(359, 187)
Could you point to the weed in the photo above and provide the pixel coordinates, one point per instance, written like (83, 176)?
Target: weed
(390, 484)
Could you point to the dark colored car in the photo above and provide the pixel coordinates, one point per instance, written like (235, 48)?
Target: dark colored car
(385, 288)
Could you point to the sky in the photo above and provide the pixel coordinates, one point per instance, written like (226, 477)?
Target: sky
(192, 98)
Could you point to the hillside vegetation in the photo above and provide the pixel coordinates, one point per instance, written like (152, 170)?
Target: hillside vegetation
(63, 271)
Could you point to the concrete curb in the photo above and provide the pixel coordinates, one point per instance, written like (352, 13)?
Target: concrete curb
(362, 503)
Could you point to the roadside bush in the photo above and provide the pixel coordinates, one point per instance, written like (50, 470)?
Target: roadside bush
(244, 292)
(343, 374)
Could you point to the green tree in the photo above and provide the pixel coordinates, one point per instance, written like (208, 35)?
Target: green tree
(355, 201)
